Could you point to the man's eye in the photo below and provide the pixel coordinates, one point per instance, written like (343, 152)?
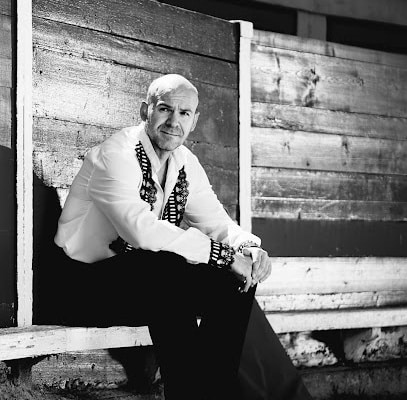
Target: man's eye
(164, 109)
(185, 113)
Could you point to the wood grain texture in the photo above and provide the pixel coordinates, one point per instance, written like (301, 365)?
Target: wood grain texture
(5, 36)
(5, 7)
(93, 92)
(148, 21)
(303, 275)
(296, 118)
(304, 79)
(318, 185)
(5, 51)
(90, 44)
(331, 301)
(5, 118)
(279, 148)
(322, 47)
(314, 209)
(20, 343)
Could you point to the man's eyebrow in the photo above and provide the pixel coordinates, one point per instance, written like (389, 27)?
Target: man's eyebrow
(169, 106)
(159, 104)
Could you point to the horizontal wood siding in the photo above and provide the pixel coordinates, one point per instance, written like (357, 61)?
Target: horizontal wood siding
(7, 168)
(329, 139)
(93, 62)
(147, 21)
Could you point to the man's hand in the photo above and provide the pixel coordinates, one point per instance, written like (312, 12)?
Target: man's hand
(242, 268)
(261, 268)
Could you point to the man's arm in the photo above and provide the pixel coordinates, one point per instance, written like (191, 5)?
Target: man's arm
(205, 212)
(114, 189)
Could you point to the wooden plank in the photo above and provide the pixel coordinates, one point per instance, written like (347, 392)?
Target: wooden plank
(393, 12)
(5, 117)
(303, 275)
(37, 340)
(304, 79)
(24, 164)
(346, 319)
(89, 44)
(279, 148)
(276, 207)
(267, 115)
(331, 238)
(331, 301)
(310, 25)
(5, 37)
(330, 49)
(148, 21)
(5, 7)
(291, 183)
(104, 94)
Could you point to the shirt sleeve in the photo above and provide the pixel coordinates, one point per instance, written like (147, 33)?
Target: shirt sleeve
(114, 188)
(206, 213)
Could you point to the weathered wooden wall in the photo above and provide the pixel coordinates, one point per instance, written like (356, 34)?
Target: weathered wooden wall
(7, 167)
(329, 143)
(93, 62)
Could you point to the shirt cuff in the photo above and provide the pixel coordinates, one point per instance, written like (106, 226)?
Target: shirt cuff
(221, 255)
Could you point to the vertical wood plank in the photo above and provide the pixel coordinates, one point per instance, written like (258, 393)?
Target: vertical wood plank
(24, 162)
(246, 34)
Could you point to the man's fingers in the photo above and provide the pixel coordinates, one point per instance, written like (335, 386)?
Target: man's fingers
(248, 284)
(267, 270)
(258, 266)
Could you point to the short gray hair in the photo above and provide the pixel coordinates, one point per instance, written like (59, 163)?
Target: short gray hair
(167, 83)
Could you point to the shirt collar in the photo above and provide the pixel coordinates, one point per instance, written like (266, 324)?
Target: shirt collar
(178, 156)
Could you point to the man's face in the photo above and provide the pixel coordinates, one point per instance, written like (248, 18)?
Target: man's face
(170, 120)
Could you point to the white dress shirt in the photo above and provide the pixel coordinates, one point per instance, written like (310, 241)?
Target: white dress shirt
(104, 203)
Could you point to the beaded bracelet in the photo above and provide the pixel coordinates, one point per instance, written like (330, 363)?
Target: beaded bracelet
(221, 255)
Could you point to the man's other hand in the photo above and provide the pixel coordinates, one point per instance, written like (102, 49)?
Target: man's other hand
(261, 268)
(242, 268)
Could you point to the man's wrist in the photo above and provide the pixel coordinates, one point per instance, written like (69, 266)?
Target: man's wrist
(221, 255)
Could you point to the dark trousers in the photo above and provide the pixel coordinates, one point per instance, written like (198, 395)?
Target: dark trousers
(163, 291)
(234, 353)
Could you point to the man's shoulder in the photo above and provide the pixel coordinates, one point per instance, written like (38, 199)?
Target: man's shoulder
(120, 141)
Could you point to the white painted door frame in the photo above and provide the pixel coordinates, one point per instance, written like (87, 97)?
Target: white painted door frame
(24, 187)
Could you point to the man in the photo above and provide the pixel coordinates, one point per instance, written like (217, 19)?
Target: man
(131, 262)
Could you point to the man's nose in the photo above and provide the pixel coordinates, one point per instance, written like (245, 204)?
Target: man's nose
(173, 120)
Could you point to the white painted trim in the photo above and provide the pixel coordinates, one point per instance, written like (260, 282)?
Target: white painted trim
(24, 163)
(245, 162)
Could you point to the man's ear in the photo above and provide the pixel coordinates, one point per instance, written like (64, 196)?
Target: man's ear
(144, 111)
(196, 116)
